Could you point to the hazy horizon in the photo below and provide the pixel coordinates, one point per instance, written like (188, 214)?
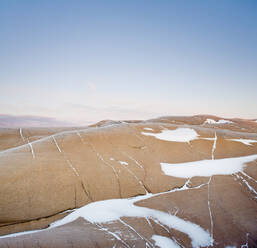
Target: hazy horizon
(79, 62)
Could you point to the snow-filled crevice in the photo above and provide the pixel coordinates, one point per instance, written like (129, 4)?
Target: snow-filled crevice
(100, 157)
(246, 183)
(214, 146)
(137, 233)
(116, 236)
(28, 143)
(249, 177)
(21, 134)
(31, 149)
(210, 211)
(56, 144)
(135, 176)
(74, 170)
(126, 167)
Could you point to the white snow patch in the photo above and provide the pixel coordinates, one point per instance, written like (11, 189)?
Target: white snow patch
(164, 242)
(113, 210)
(135, 199)
(211, 139)
(123, 162)
(177, 135)
(207, 168)
(148, 129)
(211, 121)
(244, 141)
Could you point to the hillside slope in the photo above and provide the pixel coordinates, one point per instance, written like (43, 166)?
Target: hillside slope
(173, 181)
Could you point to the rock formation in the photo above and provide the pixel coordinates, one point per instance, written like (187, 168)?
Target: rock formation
(166, 182)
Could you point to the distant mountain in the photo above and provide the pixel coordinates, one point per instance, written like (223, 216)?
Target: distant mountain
(31, 121)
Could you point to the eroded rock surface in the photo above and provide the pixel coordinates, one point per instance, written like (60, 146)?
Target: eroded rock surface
(193, 179)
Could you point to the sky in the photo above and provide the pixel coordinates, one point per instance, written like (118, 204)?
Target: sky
(85, 61)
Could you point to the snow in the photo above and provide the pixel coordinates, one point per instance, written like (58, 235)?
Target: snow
(164, 242)
(206, 168)
(135, 161)
(209, 207)
(247, 185)
(20, 234)
(31, 149)
(22, 134)
(214, 146)
(59, 149)
(148, 129)
(113, 210)
(244, 141)
(123, 162)
(177, 135)
(71, 166)
(211, 121)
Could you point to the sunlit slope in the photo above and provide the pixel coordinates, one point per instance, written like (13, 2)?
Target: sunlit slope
(66, 169)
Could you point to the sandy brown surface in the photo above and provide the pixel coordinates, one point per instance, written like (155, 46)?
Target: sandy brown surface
(45, 172)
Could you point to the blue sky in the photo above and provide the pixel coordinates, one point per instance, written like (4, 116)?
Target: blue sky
(90, 60)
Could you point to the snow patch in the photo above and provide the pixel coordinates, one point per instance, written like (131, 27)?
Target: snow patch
(177, 135)
(211, 121)
(207, 168)
(123, 162)
(164, 242)
(113, 210)
(148, 129)
(244, 141)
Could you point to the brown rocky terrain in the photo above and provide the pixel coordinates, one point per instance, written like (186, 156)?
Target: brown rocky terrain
(174, 181)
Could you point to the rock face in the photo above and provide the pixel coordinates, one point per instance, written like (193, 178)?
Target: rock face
(167, 182)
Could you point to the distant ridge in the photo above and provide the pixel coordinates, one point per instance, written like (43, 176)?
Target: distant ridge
(12, 121)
